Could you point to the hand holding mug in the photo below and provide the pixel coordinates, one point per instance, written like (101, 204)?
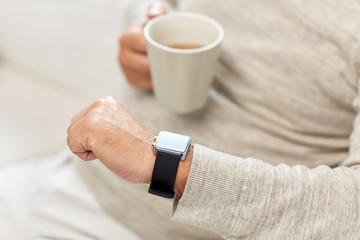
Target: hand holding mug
(133, 57)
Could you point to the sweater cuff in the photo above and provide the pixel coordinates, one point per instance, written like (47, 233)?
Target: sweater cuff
(211, 187)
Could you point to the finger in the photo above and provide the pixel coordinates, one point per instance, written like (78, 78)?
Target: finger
(134, 39)
(73, 141)
(86, 156)
(75, 126)
(155, 9)
(132, 60)
(138, 79)
(80, 114)
(78, 119)
(110, 99)
(78, 141)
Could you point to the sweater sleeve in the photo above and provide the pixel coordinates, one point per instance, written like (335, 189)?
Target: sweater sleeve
(246, 198)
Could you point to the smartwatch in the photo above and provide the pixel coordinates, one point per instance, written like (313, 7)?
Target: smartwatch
(169, 149)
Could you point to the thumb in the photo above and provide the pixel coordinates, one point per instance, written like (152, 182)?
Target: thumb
(155, 9)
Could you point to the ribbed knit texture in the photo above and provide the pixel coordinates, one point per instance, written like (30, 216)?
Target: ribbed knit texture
(289, 71)
(249, 199)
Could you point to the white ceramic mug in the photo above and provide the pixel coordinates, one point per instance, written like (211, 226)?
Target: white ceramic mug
(182, 77)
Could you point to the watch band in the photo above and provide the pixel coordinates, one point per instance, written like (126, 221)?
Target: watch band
(164, 174)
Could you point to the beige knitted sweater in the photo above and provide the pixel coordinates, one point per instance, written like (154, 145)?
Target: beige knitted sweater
(289, 74)
(285, 104)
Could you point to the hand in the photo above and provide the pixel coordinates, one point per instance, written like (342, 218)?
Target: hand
(107, 131)
(132, 56)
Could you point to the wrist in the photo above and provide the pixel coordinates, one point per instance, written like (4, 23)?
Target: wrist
(183, 173)
(172, 164)
(147, 159)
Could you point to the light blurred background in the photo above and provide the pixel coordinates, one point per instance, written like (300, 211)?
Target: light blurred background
(56, 56)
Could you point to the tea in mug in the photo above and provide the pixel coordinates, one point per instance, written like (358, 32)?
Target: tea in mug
(185, 46)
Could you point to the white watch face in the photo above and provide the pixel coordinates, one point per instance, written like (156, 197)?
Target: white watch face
(172, 141)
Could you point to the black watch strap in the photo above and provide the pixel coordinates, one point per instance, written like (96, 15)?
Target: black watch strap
(164, 174)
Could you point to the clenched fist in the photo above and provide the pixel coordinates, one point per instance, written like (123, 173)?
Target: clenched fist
(107, 131)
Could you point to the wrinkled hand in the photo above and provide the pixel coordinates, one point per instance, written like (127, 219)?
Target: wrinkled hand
(107, 131)
(132, 56)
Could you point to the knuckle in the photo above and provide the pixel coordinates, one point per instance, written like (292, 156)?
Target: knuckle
(127, 37)
(133, 38)
(68, 140)
(142, 43)
(99, 103)
(97, 112)
(134, 81)
(109, 99)
(122, 58)
(70, 143)
(146, 69)
(126, 58)
(122, 41)
(131, 80)
(91, 123)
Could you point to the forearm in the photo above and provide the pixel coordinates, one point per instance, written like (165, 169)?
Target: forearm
(250, 199)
